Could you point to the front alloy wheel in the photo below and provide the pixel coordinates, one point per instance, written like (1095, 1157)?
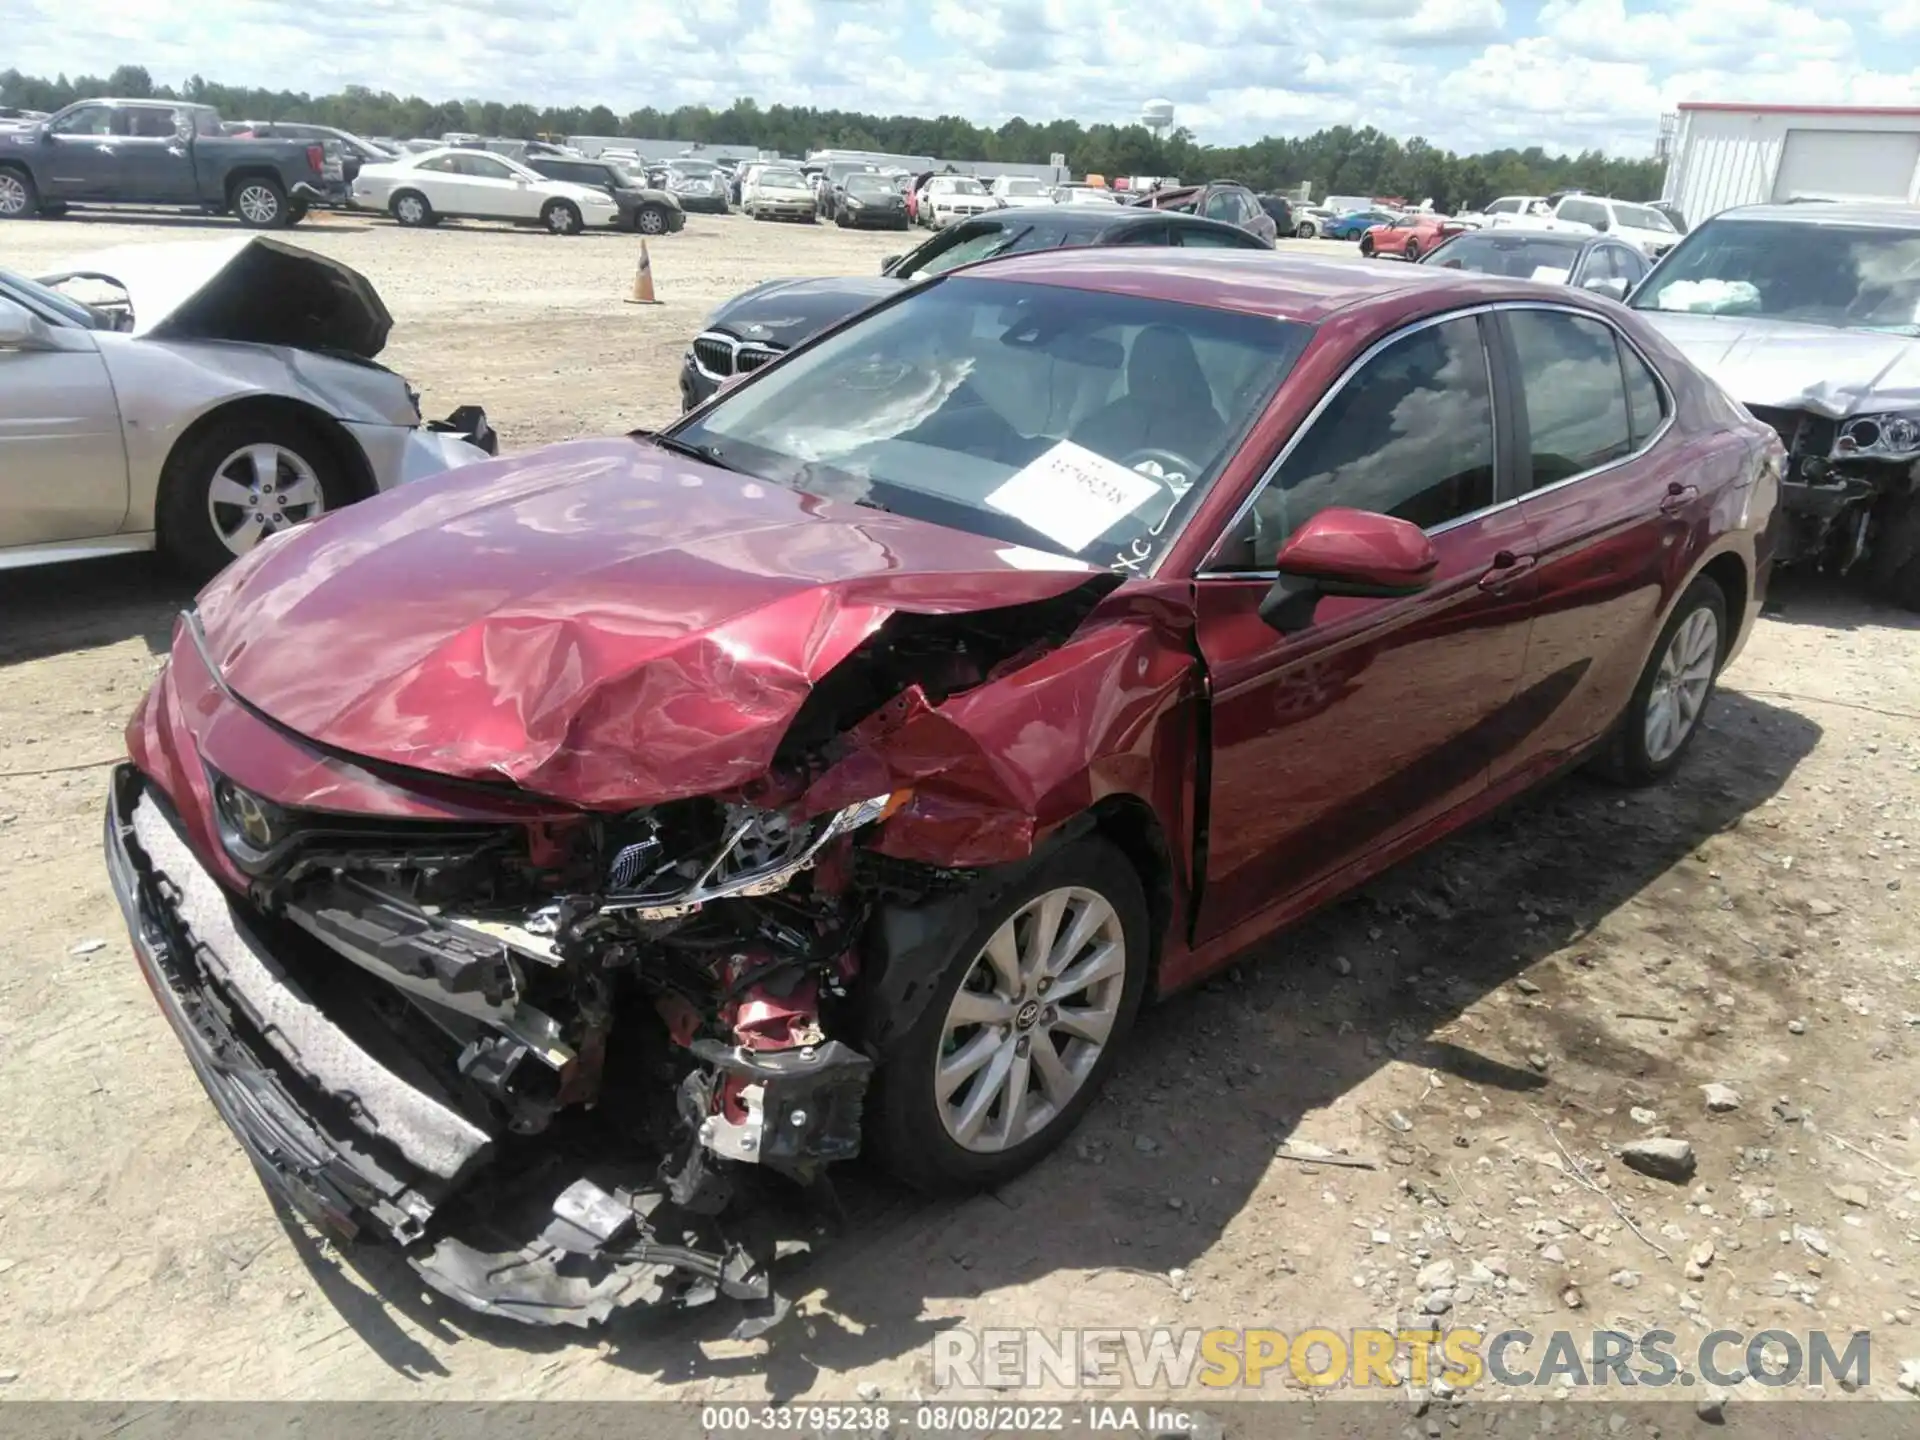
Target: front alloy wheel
(1029, 991)
(259, 490)
(1031, 1019)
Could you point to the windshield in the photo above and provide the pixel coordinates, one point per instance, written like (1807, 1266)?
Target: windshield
(696, 169)
(984, 240)
(964, 186)
(781, 179)
(1849, 277)
(1023, 187)
(1518, 254)
(1072, 421)
(1642, 217)
(51, 304)
(869, 185)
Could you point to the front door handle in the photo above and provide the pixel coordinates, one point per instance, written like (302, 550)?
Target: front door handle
(1678, 497)
(1507, 568)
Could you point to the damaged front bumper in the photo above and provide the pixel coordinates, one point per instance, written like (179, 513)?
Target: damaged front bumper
(356, 1141)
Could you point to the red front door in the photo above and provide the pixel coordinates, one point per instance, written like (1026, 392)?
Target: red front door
(1381, 714)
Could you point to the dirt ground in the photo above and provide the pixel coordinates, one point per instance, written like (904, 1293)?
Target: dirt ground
(1544, 989)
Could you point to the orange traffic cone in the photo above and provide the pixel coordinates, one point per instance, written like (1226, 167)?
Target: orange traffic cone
(643, 280)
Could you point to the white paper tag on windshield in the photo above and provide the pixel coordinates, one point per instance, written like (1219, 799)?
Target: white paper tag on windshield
(1073, 496)
(1550, 274)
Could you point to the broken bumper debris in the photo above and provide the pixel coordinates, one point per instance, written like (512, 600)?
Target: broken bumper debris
(352, 1136)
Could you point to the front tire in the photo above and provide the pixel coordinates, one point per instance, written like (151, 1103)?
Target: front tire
(260, 202)
(411, 209)
(19, 199)
(562, 217)
(1022, 1027)
(1664, 712)
(650, 220)
(241, 481)
(1366, 246)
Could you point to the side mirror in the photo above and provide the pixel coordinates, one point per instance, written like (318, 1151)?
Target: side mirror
(1346, 552)
(1611, 286)
(21, 329)
(1603, 224)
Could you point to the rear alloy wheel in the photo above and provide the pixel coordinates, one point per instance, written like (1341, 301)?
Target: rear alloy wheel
(410, 208)
(562, 217)
(1663, 714)
(240, 482)
(1305, 230)
(260, 203)
(18, 199)
(1022, 1026)
(1413, 251)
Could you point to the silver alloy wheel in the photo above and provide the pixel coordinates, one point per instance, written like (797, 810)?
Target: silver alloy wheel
(410, 209)
(259, 490)
(1030, 1019)
(13, 194)
(1680, 685)
(257, 203)
(652, 222)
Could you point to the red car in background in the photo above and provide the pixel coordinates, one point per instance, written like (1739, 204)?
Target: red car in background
(1410, 236)
(843, 765)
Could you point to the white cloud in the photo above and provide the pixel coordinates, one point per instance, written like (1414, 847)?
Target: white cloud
(1467, 74)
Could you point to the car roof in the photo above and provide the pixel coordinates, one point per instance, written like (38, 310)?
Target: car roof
(1821, 212)
(1284, 285)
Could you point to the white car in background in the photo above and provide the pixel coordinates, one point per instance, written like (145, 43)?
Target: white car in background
(197, 397)
(1641, 226)
(453, 183)
(949, 199)
(1020, 190)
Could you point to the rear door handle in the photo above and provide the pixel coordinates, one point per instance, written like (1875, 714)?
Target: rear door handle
(1507, 568)
(1678, 497)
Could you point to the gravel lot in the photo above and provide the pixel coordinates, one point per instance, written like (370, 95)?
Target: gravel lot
(1562, 980)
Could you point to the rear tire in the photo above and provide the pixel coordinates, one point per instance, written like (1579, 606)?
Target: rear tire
(296, 212)
(260, 203)
(1413, 252)
(913, 1127)
(1893, 573)
(1305, 231)
(19, 199)
(1642, 750)
(411, 209)
(216, 501)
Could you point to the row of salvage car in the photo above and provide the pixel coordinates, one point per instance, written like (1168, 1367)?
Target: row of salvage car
(1019, 644)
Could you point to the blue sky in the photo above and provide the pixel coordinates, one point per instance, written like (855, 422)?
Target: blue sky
(1468, 74)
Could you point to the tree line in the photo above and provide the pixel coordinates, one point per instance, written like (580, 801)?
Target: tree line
(1341, 160)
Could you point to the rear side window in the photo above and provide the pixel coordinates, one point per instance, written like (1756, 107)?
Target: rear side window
(1646, 401)
(1205, 237)
(1576, 398)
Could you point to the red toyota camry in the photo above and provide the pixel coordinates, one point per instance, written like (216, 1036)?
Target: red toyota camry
(536, 859)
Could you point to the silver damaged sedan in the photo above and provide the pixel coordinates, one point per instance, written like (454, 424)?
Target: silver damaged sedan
(197, 396)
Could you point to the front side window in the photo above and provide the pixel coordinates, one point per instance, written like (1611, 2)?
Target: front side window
(1205, 237)
(1504, 207)
(1643, 217)
(1075, 421)
(1223, 205)
(1573, 390)
(1585, 212)
(87, 120)
(1410, 434)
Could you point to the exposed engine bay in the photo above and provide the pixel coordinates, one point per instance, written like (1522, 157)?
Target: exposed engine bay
(1849, 484)
(561, 1054)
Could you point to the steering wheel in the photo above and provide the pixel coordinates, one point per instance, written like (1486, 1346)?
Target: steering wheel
(1170, 463)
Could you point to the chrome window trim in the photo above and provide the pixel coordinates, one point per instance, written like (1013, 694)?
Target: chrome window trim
(1667, 398)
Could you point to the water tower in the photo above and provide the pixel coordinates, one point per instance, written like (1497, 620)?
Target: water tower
(1157, 116)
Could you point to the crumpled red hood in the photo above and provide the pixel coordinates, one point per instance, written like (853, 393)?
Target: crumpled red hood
(601, 622)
